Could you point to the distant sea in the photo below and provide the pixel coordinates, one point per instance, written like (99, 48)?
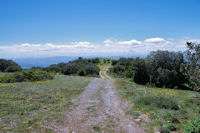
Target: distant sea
(47, 61)
(41, 62)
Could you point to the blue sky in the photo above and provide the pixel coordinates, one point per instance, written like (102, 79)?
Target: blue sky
(62, 22)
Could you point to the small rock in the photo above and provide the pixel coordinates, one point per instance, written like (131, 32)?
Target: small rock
(137, 120)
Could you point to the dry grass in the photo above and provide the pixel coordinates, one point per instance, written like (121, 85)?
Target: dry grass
(165, 107)
(29, 106)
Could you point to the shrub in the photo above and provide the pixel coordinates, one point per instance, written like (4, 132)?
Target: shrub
(193, 126)
(164, 68)
(82, 67)
(9, 66)
(191, 67)
(161, 101)
(164, 130)
(140, 72)
(81, 72)
(131, 68)
(160, 69)
(172, 117)
(26, 75)
(114, 62)
(172, 127)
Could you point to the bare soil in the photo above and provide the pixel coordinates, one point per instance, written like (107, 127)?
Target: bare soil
(99, 109)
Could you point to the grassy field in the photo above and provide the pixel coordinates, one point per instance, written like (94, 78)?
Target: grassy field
(4, 73)
(168, 109)
(30, 106)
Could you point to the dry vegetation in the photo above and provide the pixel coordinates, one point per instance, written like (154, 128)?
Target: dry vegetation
(168, 109)
(31, 106)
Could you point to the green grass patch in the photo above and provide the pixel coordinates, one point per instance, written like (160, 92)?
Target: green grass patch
(193, 126)
(168, 109)
(27, 106)
(4, 73)
(101, 66)
(26, 75)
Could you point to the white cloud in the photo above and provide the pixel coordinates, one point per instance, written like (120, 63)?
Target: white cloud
(131, 42)
(194, 40)
(108, 41)
(110, 47)
(117, 42)
(82, 43)
(154, 40)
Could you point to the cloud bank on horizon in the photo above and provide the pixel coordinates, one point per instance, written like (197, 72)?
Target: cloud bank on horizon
(109, 47)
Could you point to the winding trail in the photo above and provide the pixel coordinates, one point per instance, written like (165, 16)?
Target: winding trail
(99, 109)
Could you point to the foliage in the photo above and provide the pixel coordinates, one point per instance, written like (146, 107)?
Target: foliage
(167, 108)
(164, 68)
(82, 67)
(114, 62)
(164, 130)
(192, 66)
(9, 66)
(81, 72)
(131, 68)
(160, 68)
(193, 126)
(32, 106)
(160, 101)
(26, 75)
(94, 60)
(140, 71)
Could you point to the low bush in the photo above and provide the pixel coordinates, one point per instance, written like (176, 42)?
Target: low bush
(193, 126)
(161, 101)
(26, 75)
(164, 130)
(9, 66)
(172, 127)
(159, 68)
(81, 67)
(172, 118)
(179, 106)
(81, 72)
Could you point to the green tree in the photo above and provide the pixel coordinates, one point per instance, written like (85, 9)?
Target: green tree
(81, 72)
(9, 66)
(164, 68)
(74, 67)
(140, 72)
(192, 66)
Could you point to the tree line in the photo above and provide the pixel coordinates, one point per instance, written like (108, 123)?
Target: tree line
(9, 66)
(163, 68)
(81, 67)
(26, 75)
(159, 68)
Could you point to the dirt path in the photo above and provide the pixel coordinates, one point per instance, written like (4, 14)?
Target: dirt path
(99, 109)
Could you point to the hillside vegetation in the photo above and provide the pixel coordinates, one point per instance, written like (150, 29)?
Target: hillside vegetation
(169, 88)
(81, 67)
(160, 69)
(34, 106)
(164, 87)
(9, 66)
(26, 75)
(163, 69)
(168, 109)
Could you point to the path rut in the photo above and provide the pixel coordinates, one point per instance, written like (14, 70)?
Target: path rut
(99, 109)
